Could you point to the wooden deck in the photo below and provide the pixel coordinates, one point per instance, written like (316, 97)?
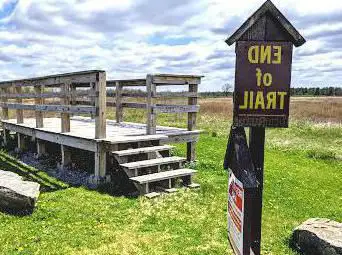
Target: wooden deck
(85, 93)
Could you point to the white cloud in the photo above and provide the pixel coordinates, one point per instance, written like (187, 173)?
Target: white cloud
(129, 38)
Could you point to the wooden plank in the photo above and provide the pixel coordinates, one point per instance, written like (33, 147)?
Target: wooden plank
(134, 105)
(151, 114)
(176, 108)
(4, 104)
(79, 93)
(58, 79)
(19, 113)
(142, 150)
(162, 176)
(128, 83)
(153, 162)
(152, 195)
(100, 160)
(39, 101)
(176, 94)
(100, 105)
(118, 101)
(65, 117)
(50, 108)
(135, 139)
(162, 80)
(192, 119)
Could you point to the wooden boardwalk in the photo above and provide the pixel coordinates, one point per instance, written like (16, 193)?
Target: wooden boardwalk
(136, 149)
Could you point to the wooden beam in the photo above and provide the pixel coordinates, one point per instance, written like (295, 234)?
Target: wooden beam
(47, 94)
(127, 83)
(192, 119)
(168, 79)
(51, 108)
(39, 101)
(100, 160)
(65, 117)
(3, 105)
(58, 79)
(177, 108)
(151, 115)
(100, 106)
(19, 113)
(118, 102)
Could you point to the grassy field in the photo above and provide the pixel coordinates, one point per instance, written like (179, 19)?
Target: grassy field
(303, 179)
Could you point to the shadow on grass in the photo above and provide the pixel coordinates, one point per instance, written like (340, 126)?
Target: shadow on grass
(30, 174)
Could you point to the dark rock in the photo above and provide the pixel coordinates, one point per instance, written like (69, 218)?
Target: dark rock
(16, 194)
(319, 237)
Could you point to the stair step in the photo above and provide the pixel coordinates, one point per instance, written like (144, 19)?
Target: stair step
(162, 176)
(194, 186)
(152, 162)
(133, 139)
(142, 150)
(152, 195)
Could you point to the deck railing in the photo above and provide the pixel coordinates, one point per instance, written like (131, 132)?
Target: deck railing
(43, 88)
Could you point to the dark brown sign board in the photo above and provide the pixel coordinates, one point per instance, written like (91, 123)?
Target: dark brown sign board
(261, 99)
(262, 84)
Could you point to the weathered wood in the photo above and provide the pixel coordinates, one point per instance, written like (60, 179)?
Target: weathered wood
(192, 117)
(176, 94)
(151, 114)
(152, 162)
(50, 108)
(118, 101)
(21, 142)
(79, 93)
(134, 105)
(3, 104)
(58, 79)
(100, 161)
(176, 108)
(169, 79)
(66, 156)
(39, 101)
(100, 105)
(19, 113)
(65, 117)
(268, 8)
(142, 150)
(127, 83)
(41, 148)
(149, 178)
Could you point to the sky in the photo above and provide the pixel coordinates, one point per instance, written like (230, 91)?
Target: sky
(130, 38)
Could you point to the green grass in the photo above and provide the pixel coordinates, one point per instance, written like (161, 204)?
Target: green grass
(303, 179)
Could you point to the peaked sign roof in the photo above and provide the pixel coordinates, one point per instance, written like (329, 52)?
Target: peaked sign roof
(268, 8)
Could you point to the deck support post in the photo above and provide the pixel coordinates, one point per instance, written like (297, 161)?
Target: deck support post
(41, 148)
(21, 142)
(151, 115)
(100, 176)
(5, 137)
(192, 118)
(118, 102)
(100, 105)
(66, 156)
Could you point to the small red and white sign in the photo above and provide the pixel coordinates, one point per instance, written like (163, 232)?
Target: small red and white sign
(235, 213)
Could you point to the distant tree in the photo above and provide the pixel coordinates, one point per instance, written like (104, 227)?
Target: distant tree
(226, 89)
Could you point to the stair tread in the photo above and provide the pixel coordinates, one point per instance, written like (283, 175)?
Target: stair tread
(163, 175)
(142, 150)
(140, 138)
(152, 162)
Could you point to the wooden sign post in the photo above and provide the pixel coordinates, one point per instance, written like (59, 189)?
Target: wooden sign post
(261, 99)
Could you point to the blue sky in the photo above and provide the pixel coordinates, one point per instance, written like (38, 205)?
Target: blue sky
(130, 38)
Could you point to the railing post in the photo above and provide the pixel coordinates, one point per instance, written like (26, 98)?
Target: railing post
(4, 116)
(65, 124)
(118, 102)
(192, 118)
(20, 119)
(100, 124)
(41, 150)
(151, 115)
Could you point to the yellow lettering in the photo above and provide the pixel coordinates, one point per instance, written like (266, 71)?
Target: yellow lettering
(251, 98)
(271, 100)
(267, 79)
(265, 54)
(277, 55)
(259, 100)
(253, 54)
(245, 104)
(282, 99)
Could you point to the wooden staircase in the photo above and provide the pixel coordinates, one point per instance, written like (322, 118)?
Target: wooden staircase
(152, 169)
